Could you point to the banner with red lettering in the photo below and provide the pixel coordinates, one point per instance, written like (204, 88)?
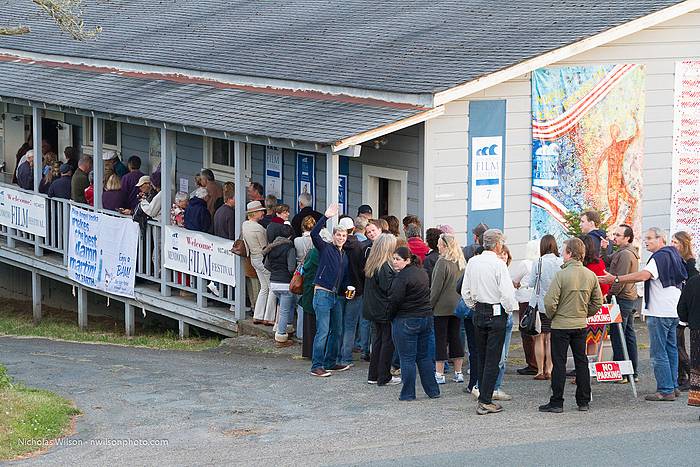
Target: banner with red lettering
(199, 254)
(685, 191)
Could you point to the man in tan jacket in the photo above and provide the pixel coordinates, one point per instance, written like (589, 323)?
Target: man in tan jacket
(573, 296)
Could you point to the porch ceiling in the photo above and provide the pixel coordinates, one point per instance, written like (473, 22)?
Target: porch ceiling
(304, 116)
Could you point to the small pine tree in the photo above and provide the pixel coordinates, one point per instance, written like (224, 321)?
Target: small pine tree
(573, 222)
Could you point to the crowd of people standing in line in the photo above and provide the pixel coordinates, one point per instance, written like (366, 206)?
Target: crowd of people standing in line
(410, 304)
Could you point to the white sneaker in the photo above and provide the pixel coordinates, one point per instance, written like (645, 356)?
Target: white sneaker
(458, 377)
(475, 393)
(394, 381)
(439, 378)
(499, 395)
(213, 289)
(370, 381)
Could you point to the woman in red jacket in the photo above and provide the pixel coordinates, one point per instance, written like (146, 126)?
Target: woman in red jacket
(593, 262)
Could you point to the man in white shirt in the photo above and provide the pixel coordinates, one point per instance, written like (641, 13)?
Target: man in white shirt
(488, 290)
(663, 275)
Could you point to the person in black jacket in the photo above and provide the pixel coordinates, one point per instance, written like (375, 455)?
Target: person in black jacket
(379, 276)
(327, 302)
(683, 242)
(689, 313)
(305, 209)
(412, 324)
(281, 261)
(431, 238)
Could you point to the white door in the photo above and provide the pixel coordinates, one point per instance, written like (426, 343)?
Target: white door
(394, 192)
(65, 138)
(13, 127)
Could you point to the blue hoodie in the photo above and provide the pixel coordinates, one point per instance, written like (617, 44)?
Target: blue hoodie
(671, 267)
(332, 263)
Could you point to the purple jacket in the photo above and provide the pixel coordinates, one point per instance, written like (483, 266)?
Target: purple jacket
(113, 200)
(129, 188)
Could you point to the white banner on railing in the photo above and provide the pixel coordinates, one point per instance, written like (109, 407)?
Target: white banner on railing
(102, 251)
(23, 211)
(199, 254)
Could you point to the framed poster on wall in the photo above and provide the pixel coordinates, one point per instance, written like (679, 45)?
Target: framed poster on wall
(306, 175)
(343, 194)
(273, 172)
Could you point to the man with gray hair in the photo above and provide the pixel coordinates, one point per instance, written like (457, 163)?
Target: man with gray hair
(305, 204)
(488, 290)
(80, 180)
(663, 276)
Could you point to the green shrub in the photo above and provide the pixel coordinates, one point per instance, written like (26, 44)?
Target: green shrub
(5, 380)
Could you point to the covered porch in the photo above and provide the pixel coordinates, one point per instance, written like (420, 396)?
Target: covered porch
(233, 137)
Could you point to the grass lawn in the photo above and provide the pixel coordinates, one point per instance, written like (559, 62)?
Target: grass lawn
(56, 324)
(30, 418)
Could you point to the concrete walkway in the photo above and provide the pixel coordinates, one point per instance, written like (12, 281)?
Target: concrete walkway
(250, 404)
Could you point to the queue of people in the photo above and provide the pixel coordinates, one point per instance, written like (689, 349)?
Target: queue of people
(416, 305)
(426, 301)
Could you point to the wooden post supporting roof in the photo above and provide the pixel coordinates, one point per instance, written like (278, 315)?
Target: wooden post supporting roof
(38, 163)
(98, 164)
(240, 216)
(167, 181)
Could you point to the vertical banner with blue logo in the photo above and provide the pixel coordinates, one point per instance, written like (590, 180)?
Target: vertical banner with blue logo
(343, 185)
(306, 175)
(487, 135)
(343, 193)
(273, 172)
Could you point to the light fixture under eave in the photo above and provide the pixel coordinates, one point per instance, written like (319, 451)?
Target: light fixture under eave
(379, 142)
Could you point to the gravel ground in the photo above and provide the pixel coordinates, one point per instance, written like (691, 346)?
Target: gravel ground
(251, 404)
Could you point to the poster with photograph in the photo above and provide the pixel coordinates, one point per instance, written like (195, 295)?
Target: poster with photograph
(306, 175)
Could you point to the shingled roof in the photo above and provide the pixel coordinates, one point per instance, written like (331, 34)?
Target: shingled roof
(271, 113)
(407, 46)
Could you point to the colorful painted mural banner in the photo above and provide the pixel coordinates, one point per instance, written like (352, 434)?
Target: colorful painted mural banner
(685, 191)
(23, 211)
(587, 147)
(102, 251)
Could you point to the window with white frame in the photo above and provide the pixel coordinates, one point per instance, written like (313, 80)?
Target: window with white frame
(218, 156)
(111, 135)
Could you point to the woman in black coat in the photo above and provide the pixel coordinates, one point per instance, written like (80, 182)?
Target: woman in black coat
(682, 241)
(379, 276)
(412, 324)
(689, 313)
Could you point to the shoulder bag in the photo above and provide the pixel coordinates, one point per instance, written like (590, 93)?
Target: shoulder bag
(530, 322)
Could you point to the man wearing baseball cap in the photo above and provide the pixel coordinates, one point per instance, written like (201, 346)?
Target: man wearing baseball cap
(365, 211)
(111, 158)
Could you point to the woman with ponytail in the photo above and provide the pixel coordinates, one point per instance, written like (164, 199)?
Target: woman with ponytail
(412, 324)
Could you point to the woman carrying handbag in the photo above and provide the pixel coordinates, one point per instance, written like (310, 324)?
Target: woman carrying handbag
(548, 265)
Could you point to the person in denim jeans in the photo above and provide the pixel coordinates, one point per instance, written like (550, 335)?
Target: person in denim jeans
(663, 275)
(354, 249)
(624, 261)
(328, 305)
(488, 290)
(281, 262)
(412, 324)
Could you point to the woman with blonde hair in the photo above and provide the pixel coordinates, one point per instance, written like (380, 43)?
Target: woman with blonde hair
(379, 276)
(444, 299)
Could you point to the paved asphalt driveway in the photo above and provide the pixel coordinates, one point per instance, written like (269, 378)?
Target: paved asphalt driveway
(247, 403)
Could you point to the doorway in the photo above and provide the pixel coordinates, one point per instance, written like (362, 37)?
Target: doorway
(386, 190)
